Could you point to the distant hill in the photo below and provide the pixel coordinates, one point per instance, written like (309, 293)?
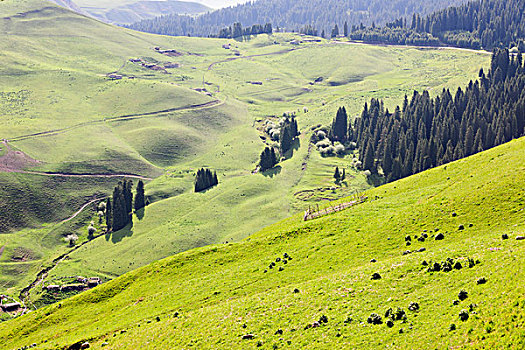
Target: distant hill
(130, 11)
(293, 15)
(69, 5)
(141, 10)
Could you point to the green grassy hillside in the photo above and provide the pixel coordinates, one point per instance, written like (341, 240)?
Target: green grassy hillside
(210, 297)
(54, 84)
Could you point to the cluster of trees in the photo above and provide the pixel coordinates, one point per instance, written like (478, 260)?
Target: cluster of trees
(205, 179)
(309, 30)
(487, 24)
(427, 132)
(292, 15)
(478, 24)
(394, 36)
(118, 210)
(237, 31)
(268, 159)
(289, 131)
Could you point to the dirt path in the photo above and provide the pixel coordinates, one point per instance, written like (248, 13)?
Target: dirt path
(133, 176)
(17, 161)
(413, 46)
(81, 209)
(209, 104)
(42, 274)
(210, 67)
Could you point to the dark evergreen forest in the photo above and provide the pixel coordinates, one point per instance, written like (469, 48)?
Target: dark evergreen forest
(426, 132)
(292, 15)
(479, 24)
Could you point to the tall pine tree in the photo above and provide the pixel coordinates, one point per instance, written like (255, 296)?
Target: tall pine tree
(139, 196)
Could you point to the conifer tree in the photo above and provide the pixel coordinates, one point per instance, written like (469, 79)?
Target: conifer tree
(337, 174)
(339, 128)
(139, 196)
(109, 213)
(368, 161)
(285, 139)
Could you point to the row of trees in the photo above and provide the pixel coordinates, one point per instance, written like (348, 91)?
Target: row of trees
(427, 132)
(237, 31)
(118, 210)
(478, 24)
(205, 179)
(292, 15)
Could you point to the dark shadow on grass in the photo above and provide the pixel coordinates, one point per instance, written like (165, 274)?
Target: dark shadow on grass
(272, 172)
(296, 144)
(376, 180)
(118, 236)
(140, 214)
(208, 189)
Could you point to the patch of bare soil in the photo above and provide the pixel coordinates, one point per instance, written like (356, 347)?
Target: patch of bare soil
(21, 254)
(14, 161)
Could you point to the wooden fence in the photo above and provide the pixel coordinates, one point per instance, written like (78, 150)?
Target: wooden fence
(311, 214)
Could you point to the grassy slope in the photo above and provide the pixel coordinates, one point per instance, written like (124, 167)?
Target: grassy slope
(244, 203)
(64, 77)
(218, 289)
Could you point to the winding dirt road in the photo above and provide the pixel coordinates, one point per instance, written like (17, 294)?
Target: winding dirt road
(126, 117)
(210, 67)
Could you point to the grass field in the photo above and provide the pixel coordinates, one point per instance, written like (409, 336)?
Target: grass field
(210, 297)
(57, 82)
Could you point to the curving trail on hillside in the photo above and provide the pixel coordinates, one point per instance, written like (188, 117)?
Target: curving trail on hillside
(126, 117)
(210, 67)
(16, 161)
(43, 273)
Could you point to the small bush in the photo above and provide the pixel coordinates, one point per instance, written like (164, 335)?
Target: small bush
(321, 135)
(439, 237)
(481, 280)
(463, 315)
(323, 319)
(463, 294)
(91, 231)
(413, 306)
(71, 239)
(367, 173)
(376, 276)
(374, 319)
(340, 149)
